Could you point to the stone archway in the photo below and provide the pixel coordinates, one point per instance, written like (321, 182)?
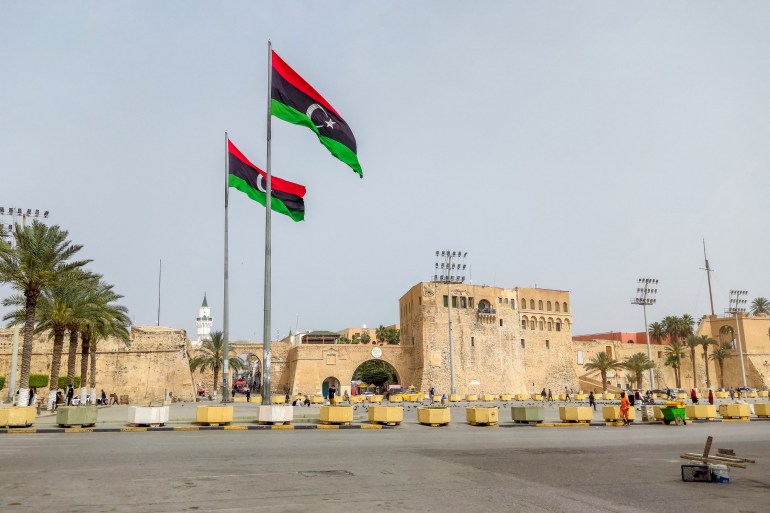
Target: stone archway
(328, 382)
(380, 373)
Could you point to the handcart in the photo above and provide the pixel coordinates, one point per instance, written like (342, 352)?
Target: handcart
(674, 412)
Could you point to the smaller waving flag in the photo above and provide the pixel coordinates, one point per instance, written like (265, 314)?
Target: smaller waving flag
(295, 101)
(286, 197)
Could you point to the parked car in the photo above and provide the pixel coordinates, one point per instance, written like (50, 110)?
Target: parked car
(746, 389)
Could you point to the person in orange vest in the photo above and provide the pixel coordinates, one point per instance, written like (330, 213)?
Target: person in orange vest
(625, 405)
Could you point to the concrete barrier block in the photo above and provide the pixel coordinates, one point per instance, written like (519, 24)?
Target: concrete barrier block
(433, 416)
(576, 413)
(701, 411)
(214, 415)
(336, 414)
(17, 416)
(528, 414)
(391, 415)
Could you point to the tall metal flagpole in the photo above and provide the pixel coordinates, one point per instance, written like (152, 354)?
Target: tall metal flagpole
(268, 196)
(226, 306)
(160, 271)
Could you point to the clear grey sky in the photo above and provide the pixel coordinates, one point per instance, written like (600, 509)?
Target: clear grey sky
(571, 145)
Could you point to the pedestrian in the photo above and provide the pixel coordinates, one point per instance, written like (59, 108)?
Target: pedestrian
(104, 398)
(711, 397)
(732, 394)
(287, 398)
(307, 401)
(550, 395)
(443, 399)
(431, 393)
(693, 396)
(542, 394)
(248, 394)
(625, 405)
(566, 394)
(332, 391)
(70, 393)
(592, 400)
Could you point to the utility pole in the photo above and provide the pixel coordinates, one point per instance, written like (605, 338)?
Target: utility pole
(644, 297)
(708, 270)
(737, 299)
(17, 214)
(450, 272)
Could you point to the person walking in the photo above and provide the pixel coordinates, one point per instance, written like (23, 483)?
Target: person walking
(332, 391)
(566, 395)
(693, 396)
(625, 405)
(732, 394)
(550, 395)
(711, 397)
(70, 393)
(592, 400)
(248, 394)
(542, 394)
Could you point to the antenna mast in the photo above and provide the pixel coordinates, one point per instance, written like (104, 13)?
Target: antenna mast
(708, 270)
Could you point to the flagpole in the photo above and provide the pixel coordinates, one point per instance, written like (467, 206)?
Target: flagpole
(268, 195)
(226, 306)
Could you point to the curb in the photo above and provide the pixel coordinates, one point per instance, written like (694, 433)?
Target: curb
(256, 427)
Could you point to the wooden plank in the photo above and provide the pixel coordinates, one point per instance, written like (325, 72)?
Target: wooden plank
(696, 457)
(707, 449)
(726, 458)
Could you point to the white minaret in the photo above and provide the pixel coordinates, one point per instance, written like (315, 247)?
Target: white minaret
(203, 322)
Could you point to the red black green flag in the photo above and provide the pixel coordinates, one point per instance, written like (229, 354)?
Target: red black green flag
(295, 101)
(286, 197)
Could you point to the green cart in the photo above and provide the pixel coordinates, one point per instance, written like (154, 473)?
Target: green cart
(675, 415)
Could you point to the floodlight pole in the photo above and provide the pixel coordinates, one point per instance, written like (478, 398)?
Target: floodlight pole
(23, 214)
(736, 300)
(644, 297)
(449, 267)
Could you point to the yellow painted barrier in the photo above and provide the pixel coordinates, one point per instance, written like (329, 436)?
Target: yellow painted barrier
(396, 398)
(612, 413)
(722, 395)
(734, 411)
(608, 396)
(488, 397)
(17, 416)
(336, 414)
(753, 395)
(576, 413)
(763, 393)
(356, 399)
(239, 399)
(432, 416)
(535, 397)
(278, 399)
(375, 398)
(455, 398)
(762, 409)
(482, 415)
(561, 397)
(682, 395)
(701, 411)
(214, 414)
(506, 397)
(317, 399)
(391, 415)
(471, 398)
(657, 413)
(581, 397)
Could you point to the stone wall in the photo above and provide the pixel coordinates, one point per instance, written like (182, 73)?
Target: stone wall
(156, 361)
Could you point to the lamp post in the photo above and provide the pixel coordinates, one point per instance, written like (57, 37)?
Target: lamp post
(17, 214)
(737, 299)
(644, 297)
(448, 271)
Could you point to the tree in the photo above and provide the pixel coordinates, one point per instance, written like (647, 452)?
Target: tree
(726, 334)
(40, 258)
(638, 363)
(674, 354)
(210, 357)
(657, 332)
(375, 372)
(760, 306)
(720, 355)
(390, 335)
(365, 337)
(705, 342)
(693, 343)
(603, 363)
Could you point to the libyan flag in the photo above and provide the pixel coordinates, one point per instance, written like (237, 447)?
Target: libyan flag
(285, 198)
(295, 101)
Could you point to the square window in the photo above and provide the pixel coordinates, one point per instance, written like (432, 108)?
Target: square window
(501, 322)
(558, 326)
(548, 344)
(446, 301)
(463, 302)
(522, 343)
(470, 302)
(454, 301)
(473, 342)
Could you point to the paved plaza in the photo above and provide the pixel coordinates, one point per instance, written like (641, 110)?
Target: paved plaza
(408, 468)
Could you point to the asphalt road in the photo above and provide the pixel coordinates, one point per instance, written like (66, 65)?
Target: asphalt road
(411, 468)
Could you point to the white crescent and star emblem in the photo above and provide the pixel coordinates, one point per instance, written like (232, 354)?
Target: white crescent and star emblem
(329, 123)
(261, 184)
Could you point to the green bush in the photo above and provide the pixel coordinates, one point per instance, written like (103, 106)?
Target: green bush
(38, 380)
(63, 381)
(2, 382)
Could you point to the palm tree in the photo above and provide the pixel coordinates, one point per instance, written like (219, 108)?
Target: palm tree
(603, 363)
(687, 325)
(210, 356)
(82, 312)
(657, 332)
(720, 355)
(638, 363)
(760, 306)
(674, 354)
(705, 342)
(114, 322)
(40, 258)
(693, 342)
(672, 327)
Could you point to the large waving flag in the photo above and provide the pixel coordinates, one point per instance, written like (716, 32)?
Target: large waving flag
(286, 197)
(295, 101)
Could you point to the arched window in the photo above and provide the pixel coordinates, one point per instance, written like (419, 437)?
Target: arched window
(485, 306)
(540, 305)
(557, 306)
(531, 304)
(540, 325)
(532, 324)
(558, 326)
(550, 326)
(565, 307)
(523, 304)
(548, 306)
(523, 324)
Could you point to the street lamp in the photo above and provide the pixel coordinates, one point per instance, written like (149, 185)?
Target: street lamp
(17, 215)
(736, 307)
(644, 297)
(449, 271)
